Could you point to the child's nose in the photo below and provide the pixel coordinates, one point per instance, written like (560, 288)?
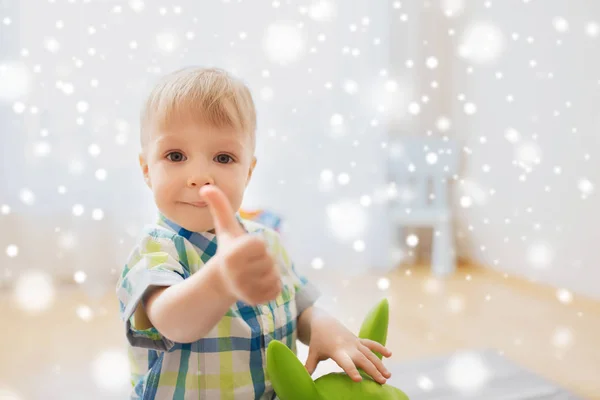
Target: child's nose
(196, 181)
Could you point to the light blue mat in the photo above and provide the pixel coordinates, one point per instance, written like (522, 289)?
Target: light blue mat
(476, 374)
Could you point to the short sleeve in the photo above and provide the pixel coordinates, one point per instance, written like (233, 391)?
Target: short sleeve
(154, 262)
(306, 293)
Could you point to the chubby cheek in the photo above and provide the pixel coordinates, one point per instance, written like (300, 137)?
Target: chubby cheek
(234, 190)
(236, 200)
(164, 186)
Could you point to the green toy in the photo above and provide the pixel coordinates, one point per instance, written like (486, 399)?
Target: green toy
(291, 380)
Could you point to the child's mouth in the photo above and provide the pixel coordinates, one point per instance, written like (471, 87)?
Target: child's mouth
(199, 204)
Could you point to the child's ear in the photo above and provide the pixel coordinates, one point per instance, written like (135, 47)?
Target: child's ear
(251, 170)
(144, 167)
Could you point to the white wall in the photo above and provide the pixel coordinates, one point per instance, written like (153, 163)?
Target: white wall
(108, 53)
(530, 218)
(296, 140)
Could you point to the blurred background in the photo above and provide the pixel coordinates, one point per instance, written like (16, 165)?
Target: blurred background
(441, 153)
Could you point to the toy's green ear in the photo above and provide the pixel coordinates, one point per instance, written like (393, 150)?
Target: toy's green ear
(375, 324)
(290, 379)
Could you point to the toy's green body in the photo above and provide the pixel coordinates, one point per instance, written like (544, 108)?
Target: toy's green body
(339, 386)
(291, 380)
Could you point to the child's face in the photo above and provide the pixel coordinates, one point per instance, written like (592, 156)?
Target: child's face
(177, 162)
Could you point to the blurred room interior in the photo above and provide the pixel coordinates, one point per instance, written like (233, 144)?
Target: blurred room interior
(440, 153)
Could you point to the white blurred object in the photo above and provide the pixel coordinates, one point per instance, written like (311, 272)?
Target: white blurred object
(423, 166)
(528, 154)
(12, 250)
(322, 11)
(482, 43)
(560, 24)
(110, 370)
(412, 240)
(284, 42)
(540, 255)
(564, 296)
(84, 312)
(467, 372)
(167, 41)
(592, 29)
(452, 8)
(425, 383)
(383, 283)
(347, 220)
(585, 186)
(15, 80)
(80, 276)
(34, 291)
(562, 337)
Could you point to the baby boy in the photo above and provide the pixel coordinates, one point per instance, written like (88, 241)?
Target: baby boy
(205, 291)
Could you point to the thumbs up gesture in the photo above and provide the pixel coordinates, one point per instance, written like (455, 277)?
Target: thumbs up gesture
(249, 272)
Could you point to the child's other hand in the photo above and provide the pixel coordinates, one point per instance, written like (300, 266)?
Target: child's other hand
(248, 270)
(330, 339)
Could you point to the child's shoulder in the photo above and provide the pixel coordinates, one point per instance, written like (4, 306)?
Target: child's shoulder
(257, 228)
(156, 233)
(157, 244)
(152, 238)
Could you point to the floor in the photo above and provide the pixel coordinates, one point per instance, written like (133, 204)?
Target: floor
(75, 347)
(552, 333)
(473, 374)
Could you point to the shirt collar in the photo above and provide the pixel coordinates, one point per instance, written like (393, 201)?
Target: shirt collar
(201, 240)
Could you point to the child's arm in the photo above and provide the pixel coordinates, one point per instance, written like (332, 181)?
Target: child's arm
(242, 269)
(304, 321)
(187, 311)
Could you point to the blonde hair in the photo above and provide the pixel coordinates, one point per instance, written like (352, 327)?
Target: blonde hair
(195, 94)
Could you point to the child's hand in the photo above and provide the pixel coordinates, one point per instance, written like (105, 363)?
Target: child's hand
(330, 339)
(248, 270)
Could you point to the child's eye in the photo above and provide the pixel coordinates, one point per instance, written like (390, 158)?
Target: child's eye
(223, 158)
(176, 156)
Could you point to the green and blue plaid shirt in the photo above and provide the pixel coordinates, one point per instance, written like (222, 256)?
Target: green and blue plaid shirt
(229, 362)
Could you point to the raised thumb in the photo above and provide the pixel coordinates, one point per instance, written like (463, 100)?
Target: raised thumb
(226, 224)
